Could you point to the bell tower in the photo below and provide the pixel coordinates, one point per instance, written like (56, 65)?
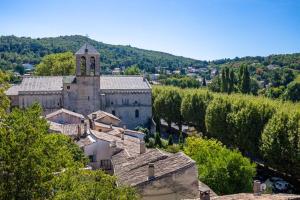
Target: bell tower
(82, 93)
(87, 61)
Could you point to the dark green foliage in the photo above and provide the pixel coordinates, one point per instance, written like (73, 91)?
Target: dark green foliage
(292, 92)
(182, 82)
(18, 50)
(204, 82)
(231, 81)
(56, 64)
(225, 171)
(215, 85)
(195, 102)
(238, 121)
(181, 139)
(245, 86)
(167, 105)
(132, 70)
(158, 139)
(35, 164)
(281, 141)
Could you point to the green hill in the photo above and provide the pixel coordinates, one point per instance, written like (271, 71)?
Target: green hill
(18, 50)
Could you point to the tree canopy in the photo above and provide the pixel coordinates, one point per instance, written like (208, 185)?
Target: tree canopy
(225, 171)
(61, 64)
(35, 164)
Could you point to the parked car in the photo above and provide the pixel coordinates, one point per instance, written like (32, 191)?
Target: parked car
(281, 186)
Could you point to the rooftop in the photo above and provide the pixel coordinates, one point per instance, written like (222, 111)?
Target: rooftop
(37, 84)
(87, 49)
(134, 171)
(100, 114)
(62, 110)
(123, 82)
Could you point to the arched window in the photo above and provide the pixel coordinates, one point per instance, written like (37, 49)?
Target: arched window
(92, 66)
(137, 113)
(83, 65)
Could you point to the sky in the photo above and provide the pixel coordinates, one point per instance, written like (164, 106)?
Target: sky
(206, 30)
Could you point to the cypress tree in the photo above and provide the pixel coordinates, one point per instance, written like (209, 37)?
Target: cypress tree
(231, 81)
(170, 141)
(158, 140)
(224, 83)
(203, 82)
(245, 84)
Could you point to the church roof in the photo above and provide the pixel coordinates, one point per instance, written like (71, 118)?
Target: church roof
(87, 49)
(123, 82)
(38, 84)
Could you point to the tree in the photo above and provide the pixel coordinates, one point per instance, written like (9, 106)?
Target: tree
(292, 92)
(31, 158)
(198, 102)
(281, 141)
(203, 81)
(231, 82)
(245, 81)
(61, 64)
(132, 70)
(170, 140)
(4, 101)
(89, 184)
(215, 85)
(168, 103)
(224, 170)
(158, 139)
(224, 80)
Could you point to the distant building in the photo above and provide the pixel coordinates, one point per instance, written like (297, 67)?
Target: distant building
(116, 71)
(127, 97)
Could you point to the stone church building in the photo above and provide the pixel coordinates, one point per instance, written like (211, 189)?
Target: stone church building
(127, 97)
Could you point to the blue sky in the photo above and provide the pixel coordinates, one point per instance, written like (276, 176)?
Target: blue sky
(211, 29)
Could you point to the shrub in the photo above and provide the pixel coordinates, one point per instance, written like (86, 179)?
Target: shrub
(225, 171)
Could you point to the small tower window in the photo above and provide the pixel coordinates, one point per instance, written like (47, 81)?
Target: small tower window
(83, 66)
(137, 113)
(92, 66)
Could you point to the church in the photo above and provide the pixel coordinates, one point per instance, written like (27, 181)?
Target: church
(127, 97)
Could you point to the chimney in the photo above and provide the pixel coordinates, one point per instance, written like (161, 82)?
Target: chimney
(142, 147)
(110, 125)
(151, 171)
(205, 195)
(113, 144)
(124, 127)
(82, 120)
(122, 135)
(94, 116)
(256, 187)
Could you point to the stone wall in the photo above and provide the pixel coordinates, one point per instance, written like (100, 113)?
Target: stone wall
(132, 107)
(49, 101)
(82, 96)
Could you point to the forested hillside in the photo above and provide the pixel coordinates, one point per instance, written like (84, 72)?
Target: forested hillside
(18, 50)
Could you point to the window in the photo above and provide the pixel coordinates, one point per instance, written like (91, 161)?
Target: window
(92, 158)
(83, 66)
(68, 87)
(113, 112)
(92, 66)
(112, 103)
(137, 114)
(88, 98)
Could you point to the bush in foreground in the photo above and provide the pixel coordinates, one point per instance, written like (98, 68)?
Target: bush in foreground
(225, 171)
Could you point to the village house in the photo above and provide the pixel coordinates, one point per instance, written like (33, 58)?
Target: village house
(122, 152)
